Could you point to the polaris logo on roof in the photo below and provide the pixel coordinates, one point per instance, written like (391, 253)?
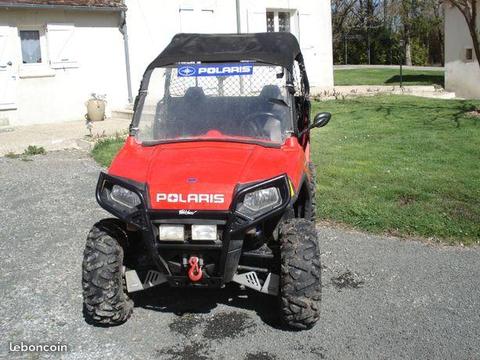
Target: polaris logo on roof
(195, 70)
(191, 198)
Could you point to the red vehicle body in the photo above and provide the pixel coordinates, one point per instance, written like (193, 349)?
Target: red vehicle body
(217, 167)
(214, 183)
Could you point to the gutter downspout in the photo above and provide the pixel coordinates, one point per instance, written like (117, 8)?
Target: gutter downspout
(123, 30)
(237, 4)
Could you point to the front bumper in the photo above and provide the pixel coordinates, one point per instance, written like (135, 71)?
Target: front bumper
(221, 257)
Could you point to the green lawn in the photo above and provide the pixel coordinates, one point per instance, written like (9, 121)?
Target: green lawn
(104, 150)
(401, 165)
(394, 164)
(388, 77)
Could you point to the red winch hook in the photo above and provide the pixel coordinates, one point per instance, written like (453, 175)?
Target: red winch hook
(195, 272)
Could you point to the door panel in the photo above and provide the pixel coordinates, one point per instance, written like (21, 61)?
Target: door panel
(306, 29)
(257, 21)
(8, 78)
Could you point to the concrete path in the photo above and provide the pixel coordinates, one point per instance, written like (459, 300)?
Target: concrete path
(383, 297)
(421, 68)
(57, 136)
(350, 91)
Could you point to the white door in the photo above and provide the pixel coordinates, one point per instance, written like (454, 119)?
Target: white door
(8, 76)
(256, 21)
(306, 29)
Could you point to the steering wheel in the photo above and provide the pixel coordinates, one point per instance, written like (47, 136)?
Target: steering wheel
(256, 121)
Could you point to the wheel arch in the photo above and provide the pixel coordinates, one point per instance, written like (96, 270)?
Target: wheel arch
(303, 198)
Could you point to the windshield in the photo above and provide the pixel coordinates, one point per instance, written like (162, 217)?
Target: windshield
(229, 102)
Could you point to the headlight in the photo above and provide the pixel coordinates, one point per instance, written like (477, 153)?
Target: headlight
(172, 232)
(259, 202)
(204, 232)
(124, 197)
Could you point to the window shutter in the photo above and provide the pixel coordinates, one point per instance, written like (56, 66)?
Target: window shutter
(187, 20)
(307, 27)
(257, 21)
(194, 20)
(61, 46)
(4, 32)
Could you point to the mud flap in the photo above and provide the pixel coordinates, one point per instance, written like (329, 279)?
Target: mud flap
(251, 280)
(232, 259)
(152, 279)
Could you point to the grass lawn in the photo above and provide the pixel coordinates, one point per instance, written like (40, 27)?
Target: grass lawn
(401, 165)
(394, 164)
(105, 150)
(388, 77)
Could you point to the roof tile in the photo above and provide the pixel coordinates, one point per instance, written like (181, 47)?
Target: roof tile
(90, 3)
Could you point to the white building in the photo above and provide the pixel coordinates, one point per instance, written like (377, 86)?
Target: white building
(55, 53)
(152, 23)
(52, 57)
(462, 73)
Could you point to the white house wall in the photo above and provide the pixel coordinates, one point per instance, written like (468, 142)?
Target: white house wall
(461, 76)
(59, 94)
(152, 24)
(312, 24)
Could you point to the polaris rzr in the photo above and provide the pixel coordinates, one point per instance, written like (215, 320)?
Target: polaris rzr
(215, 183)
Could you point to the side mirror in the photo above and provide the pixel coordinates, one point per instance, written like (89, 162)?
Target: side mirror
(320, 120)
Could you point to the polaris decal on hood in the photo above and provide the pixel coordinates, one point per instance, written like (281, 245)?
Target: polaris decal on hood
(191, 198)
(195, 70)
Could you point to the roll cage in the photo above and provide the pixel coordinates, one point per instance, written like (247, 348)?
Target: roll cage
(280, 49)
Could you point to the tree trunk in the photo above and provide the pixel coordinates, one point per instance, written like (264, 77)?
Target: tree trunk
(408, 51)
(472, 26)
(407, 36)
(476, 41)
(442, 47)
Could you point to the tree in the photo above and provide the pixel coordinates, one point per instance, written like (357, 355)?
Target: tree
(341, 22)
(371, 31)
(469, 10)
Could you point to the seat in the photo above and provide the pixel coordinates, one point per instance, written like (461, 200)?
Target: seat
(191, 112)
(273, 125)
(271, 92)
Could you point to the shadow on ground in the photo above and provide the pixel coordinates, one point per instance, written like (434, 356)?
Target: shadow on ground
(181, 301)
(418, 79)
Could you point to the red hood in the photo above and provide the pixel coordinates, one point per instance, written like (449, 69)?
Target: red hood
(201, 175)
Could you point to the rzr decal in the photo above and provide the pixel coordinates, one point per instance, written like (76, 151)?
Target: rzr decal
(191, 198)
(186, 212)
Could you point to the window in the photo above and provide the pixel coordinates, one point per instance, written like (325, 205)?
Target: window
(279, 21)
(284, 21)
(469, 54)
(33, 52)
(270, 21)
(31, 49)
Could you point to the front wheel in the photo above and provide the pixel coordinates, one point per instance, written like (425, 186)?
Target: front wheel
(300, 280)
(104, 297)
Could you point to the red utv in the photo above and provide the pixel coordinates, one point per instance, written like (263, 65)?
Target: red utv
(215, 183)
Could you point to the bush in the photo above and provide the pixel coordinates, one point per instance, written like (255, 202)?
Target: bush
(34, 150)
(419, 53)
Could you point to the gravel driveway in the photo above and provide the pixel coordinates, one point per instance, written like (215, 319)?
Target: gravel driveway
(383, 297)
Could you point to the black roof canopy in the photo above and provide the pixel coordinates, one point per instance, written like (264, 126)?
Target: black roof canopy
(278, 48)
